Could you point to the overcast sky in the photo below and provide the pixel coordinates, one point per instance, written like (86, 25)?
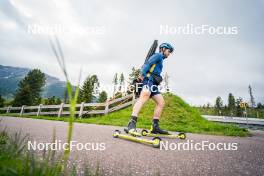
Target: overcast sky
(120, 33)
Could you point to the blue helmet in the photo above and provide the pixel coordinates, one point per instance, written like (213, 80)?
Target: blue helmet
(167, 46)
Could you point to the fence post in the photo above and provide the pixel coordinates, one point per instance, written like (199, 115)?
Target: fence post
(22, 110)
(8, 109)
(39, 109)
(61, 109)
(106, 107)
(81, 110)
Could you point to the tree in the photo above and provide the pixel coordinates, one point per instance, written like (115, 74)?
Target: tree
(102, 97)
(2, 100)
(52, 101)
(66, 97)
(260, 106)
(87, 90)
(135, 73)
(29, 89)
(218, 104)
(239, 110)
(231, 103)
(121, 81)
(115, 82)
(208, 105)
(58, 101)
(252, 99)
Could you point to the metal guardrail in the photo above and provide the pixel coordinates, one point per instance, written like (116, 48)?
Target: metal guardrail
(239, 120)
(80, 108)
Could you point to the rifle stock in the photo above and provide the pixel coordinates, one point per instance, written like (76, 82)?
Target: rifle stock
(152, 50)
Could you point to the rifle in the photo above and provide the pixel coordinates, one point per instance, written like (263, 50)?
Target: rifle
(136, 82)
(152, 50)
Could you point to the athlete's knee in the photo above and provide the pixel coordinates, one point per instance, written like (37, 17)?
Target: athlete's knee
(161, 103)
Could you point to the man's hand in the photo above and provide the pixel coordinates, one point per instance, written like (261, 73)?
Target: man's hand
(140, 78)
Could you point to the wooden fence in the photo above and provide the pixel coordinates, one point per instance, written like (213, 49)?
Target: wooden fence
(106, 107)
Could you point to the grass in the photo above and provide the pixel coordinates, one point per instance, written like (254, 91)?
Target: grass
(73, 96)
(15, 159)
(177, 116)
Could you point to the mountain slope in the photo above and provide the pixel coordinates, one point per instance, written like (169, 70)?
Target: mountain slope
(10, 77)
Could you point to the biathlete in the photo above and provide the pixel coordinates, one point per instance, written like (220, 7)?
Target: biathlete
(150, 78)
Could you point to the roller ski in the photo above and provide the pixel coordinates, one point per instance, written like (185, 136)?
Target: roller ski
(133, 135)
(156, 131)
(155, 142)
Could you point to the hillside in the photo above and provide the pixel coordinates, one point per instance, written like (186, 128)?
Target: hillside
(177, 116)
(10, 77)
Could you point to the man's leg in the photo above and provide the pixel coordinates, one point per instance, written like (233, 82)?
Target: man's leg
(144, 96)
(158, 98)
(159, 105)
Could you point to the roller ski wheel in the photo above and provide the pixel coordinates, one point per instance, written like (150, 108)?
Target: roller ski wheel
(182, 136)
(144, 132)
(116, 133)
(156, 142)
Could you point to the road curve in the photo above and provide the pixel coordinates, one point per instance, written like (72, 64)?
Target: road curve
(122, 157)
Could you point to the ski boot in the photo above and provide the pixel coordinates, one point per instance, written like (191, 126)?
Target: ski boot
(155, 129)
(131, 127)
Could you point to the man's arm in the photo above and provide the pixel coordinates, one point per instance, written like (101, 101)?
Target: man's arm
(152, 60)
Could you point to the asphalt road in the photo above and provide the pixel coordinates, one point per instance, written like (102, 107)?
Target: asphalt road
(122, 157)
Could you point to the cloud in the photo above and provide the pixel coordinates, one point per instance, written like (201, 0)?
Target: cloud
(202, 67)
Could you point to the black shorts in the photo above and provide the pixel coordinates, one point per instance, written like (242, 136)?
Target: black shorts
(151, 86)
